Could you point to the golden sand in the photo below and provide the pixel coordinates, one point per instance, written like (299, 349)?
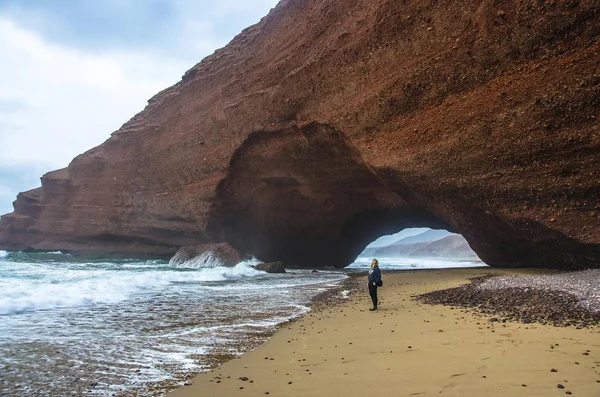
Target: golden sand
(410, 349)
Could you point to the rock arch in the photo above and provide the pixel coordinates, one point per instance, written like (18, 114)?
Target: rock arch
(476, 121)
(306, 196)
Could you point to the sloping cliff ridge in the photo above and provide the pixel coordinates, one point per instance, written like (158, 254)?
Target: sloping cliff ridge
(330, 123)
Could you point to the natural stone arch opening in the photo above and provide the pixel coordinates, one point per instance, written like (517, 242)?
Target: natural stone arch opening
(420, 247)
(305, 195)
(364, 228)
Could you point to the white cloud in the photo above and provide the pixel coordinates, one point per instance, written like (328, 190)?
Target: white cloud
(57, 101)
(69, 100)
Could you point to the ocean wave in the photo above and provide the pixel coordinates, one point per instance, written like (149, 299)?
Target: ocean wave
(84, 288)
(3, 254)
(222, 273)
(401, 263)
(24, 296)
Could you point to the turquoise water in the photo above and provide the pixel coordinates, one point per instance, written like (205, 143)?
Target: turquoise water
(72, 327)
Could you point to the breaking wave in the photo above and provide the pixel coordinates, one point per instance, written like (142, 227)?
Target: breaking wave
(72, 286)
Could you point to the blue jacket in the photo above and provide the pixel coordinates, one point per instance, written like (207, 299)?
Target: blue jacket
(375, 275)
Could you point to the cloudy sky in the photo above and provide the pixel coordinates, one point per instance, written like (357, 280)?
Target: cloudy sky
(73, 71)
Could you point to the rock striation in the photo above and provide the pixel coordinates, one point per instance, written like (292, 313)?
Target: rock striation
(207, 255)
(330, 123)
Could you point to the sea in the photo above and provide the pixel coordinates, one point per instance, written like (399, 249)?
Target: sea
(407, 263)
(70, 326)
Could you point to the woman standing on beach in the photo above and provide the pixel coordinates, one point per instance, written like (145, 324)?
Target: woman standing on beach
(374, 282)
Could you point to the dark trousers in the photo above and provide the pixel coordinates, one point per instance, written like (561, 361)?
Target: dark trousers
(373, 293)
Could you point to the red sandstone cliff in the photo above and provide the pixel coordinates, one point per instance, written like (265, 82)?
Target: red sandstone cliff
(331, 122)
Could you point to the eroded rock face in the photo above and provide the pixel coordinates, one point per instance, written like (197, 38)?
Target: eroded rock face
(223, 253)
(273, 267)
(331, 123)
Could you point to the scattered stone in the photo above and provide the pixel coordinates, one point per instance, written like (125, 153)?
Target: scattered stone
(562, 299)
(553, 370)
(560, 386)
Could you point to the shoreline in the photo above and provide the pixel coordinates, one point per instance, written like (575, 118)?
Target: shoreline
(408, 347)
(223, 354)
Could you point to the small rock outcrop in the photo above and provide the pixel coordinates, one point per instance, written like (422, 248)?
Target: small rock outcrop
(224, 254)
(273, 267)
(331, 123)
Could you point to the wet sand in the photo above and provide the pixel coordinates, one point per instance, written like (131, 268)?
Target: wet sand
(408, 348)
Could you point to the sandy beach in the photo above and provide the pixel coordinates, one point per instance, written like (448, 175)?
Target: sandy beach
(408, 348)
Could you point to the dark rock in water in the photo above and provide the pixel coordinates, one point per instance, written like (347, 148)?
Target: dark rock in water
(223, 252)
(331, 123)
(273, 267)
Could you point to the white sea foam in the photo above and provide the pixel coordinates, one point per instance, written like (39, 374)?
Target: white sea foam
(22, 295)
(3, 254)
(82, 288)
(134, 321)
(221, 273)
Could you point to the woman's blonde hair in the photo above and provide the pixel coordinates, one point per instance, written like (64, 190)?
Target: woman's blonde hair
(376, 261)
